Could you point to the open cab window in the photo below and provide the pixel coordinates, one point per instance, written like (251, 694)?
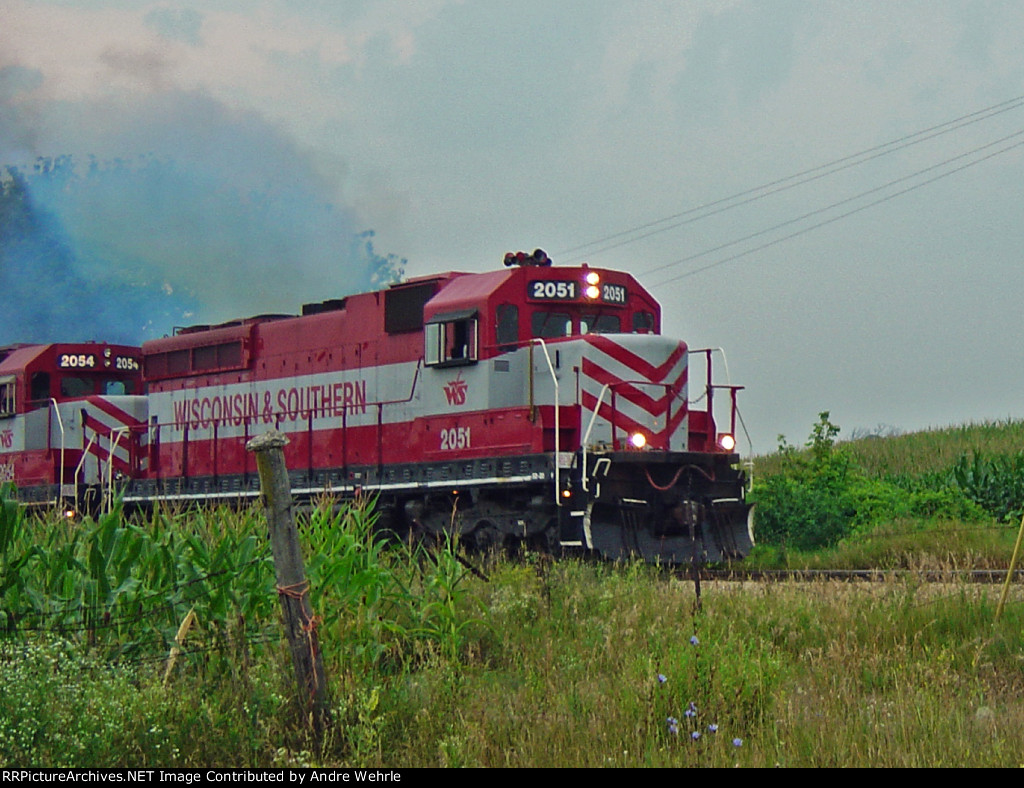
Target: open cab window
(6, 397)
(451, 340)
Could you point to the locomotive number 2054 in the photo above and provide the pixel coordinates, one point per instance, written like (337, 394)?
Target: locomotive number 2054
(126, 362)
(76, 361)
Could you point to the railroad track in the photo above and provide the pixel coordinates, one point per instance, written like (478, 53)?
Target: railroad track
(850, 575)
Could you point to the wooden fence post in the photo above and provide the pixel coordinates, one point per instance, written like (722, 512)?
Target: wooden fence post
(292, 586)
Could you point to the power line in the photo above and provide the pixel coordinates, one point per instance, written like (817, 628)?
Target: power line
(847, 213)
(855, 197)
(792, 181)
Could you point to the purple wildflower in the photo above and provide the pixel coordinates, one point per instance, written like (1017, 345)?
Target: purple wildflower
(694, 641)
(662, 678)
(712, 728)
(673, 725)
(737, 742)
(695, 735)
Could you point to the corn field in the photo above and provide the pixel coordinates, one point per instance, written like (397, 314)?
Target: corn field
(122, 586)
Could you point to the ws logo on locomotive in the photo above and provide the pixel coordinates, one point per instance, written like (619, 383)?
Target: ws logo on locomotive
(540, 404)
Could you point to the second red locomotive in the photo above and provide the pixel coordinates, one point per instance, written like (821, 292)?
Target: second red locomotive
(533, 404)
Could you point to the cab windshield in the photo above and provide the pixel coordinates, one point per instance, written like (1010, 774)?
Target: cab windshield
(73, 386)
(600, 324)
(552, 325)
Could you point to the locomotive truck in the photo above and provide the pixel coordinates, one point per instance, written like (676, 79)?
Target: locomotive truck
(533, 404)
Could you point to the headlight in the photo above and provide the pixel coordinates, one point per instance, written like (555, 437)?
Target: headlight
(726, 441)
(638, 440)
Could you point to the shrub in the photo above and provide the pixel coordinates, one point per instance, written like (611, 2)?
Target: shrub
(804, 505)
(821, 495)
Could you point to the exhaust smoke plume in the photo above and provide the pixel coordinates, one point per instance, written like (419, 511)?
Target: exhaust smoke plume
(179, 211)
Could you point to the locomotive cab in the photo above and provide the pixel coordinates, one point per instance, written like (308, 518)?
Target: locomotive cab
(70, 416)
(569, 363)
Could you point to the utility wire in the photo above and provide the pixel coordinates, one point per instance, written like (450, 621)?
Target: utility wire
(855, 197)
(836, 218)
(789, 182)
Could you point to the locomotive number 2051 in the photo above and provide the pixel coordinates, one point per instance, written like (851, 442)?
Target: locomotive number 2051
(546, 290)
(613, 294)
(455, 438)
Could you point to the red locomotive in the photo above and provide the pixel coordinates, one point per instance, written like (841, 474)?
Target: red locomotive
(532, 404)
(72, 419)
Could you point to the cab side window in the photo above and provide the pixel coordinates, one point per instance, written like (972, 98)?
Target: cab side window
(643, 322)
(507, 326)
(7, 398)
(39, 388)
(450, 343)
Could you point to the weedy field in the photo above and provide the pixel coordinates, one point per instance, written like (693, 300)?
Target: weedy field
(540, 662)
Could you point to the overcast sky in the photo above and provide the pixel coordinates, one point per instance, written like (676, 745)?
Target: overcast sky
(458, 131)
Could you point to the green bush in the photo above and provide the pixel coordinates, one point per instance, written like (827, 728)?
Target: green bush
(820, 496)
(804, 505)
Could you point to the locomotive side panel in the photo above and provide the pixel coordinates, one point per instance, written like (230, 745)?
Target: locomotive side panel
(345, 405)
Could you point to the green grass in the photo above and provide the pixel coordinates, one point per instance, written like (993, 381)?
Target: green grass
(549, 663)
(923, 545)
(838, 500)
(565, 673)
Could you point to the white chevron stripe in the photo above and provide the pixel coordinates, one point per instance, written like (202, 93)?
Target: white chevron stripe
(622, 371)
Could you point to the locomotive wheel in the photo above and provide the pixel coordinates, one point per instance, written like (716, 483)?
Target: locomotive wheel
(390, 525)
(486, 537)
(549, 540)
(543, 541)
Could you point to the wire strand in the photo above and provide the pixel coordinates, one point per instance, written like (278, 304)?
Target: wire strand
(833, 219)
(791, 181)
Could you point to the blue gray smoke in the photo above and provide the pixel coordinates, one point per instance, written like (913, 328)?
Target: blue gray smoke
(193, 213)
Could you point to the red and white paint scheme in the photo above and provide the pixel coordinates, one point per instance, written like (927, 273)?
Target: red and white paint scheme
(533, 404)
(71, 418)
